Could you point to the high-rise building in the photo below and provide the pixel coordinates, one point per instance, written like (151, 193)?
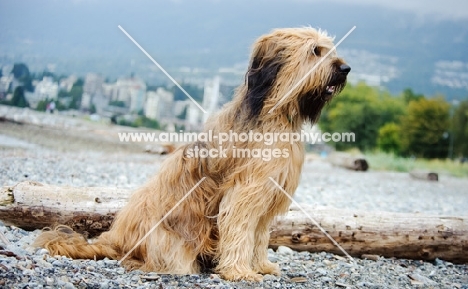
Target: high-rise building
(159, 104)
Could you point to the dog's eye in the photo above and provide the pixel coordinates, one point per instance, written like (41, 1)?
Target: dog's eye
(317, 51)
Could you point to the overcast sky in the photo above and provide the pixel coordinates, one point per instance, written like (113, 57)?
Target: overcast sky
(447, 9)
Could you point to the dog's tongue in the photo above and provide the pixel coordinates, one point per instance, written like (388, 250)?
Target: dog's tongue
(330, 89)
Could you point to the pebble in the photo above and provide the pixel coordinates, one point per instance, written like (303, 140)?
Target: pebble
(49, 281)
(57, 263)
(42, 251)
(422, 279)
(269, 277)
(321, 271)
(370, 257)
(283, 250)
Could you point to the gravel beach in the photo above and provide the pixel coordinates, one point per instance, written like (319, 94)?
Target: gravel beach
(80, 158)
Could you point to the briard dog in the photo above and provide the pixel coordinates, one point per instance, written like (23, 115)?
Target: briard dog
(224, 221)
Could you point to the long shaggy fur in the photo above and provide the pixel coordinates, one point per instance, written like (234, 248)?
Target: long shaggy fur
(225, 220)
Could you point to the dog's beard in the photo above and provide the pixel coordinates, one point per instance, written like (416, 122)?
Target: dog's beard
(312, 102)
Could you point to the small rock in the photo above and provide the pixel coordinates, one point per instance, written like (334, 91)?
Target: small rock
(151, 276)
(326, 279)
(272, 256)
(42, 251)
(57, 263)
(321, 271)
(120, 271)
(68, 285)
(43, 263)
(370, 257)
(438, 262)
(49, 281)
(422, 279)
(269, 277)
(110, 262)
(93, 263)
(299, 279)
(28, 272)
(339, 258)
(215, 278)
(51, 259)
(283, 250)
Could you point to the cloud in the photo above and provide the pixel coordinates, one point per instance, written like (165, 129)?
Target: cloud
(447, 9)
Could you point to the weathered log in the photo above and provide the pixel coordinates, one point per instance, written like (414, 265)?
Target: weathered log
(401, 235)
(32, 205)
(424, 175)
(348, 161)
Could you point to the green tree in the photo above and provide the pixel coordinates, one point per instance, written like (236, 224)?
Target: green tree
(92, 109)
(147, 122)
(18, 98)
(183, 114)
(118, 103)
(21, 73)
(460, 129)
(42, 105)
(425, 128)
(76, 93)
(62, 93)
(361, 109)
(408, 95)
(193, 90)
(389, 139)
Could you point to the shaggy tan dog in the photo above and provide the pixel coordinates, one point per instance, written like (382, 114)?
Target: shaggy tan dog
(225, 220)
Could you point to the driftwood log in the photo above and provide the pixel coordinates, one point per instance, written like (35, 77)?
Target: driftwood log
(424, 175)
(411, 236)
(348, 161)
(32, 205)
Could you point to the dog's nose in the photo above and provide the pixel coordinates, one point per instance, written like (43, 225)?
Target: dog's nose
(345, 69)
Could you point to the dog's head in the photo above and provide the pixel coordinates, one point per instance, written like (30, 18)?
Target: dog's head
(293, 71)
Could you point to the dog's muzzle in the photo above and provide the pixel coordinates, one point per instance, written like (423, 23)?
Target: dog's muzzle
(339, 77)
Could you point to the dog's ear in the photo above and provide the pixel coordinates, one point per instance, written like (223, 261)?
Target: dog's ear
(261, 75)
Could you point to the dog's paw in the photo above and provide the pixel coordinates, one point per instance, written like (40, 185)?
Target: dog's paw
(238, 276)
(268, 267)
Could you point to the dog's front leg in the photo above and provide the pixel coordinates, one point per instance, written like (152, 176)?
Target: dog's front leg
(260, 262)
(239, 215)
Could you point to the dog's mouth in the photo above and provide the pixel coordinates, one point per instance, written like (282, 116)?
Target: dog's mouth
(337, 80)
(330, 90)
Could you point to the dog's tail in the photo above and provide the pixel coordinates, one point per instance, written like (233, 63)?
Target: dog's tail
(64, 241)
